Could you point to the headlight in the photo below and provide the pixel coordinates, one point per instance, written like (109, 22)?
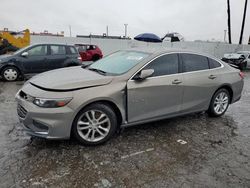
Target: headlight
(51, 103)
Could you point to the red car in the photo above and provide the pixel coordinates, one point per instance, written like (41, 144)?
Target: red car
(89, 52)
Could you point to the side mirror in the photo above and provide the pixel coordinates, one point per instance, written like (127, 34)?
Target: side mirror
(24, 54)
(144, 74)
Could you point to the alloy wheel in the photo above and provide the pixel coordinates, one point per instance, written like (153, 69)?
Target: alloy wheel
(93, 125)
(221, 103)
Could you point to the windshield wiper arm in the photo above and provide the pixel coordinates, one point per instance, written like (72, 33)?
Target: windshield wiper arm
(98, 71)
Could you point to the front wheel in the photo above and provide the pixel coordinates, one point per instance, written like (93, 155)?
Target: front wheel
(219, 103)
(10, 73)
(95, 124)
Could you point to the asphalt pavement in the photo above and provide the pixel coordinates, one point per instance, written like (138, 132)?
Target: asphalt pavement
(190, 151)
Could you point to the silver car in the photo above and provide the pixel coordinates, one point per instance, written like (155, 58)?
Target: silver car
(125, 88)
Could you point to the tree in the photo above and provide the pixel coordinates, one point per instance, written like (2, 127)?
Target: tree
(229, 22)
(243, 23)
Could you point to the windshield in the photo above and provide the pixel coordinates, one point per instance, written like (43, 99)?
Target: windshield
(119, 62)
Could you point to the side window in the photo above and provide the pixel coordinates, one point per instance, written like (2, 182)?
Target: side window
(72, 50)
(213, 64)
(192, 62)
(57, 50)
(164, 65)
(249, 57)
(38, 51)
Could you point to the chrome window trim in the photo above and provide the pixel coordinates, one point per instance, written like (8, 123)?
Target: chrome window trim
(168, 53)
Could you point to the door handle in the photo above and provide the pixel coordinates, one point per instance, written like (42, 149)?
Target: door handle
(212, 77)
(176, 82)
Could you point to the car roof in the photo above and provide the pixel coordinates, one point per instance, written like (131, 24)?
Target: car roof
(58, 44)
(85, 45)
(162, 50)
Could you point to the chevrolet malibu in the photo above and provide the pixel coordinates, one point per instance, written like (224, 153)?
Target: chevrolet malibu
(125, 88)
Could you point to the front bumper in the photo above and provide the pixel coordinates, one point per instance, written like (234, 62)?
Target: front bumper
(49, 123)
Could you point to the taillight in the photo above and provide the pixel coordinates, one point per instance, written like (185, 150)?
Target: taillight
(79, 58)
(242, 75)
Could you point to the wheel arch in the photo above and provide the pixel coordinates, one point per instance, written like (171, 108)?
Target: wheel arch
(11, 65)
(107, 102)
(96, 56)
(228, 87)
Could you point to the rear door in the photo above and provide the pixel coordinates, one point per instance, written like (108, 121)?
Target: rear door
(57, 57)
(36, 61)
(199, 81)
(158, 95)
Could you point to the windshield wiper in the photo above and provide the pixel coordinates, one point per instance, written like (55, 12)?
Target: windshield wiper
(98, 71)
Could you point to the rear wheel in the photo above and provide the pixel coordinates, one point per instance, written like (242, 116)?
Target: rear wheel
(95, 124)
(10, 73)
(219, 103)
(95, 57)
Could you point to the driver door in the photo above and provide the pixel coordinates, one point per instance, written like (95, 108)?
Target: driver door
(36, 61)
(160, 94)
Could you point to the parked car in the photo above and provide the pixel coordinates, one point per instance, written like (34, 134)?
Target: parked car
(89, 52)
(125, 88)
(247, 57)
(240, 59)
(36, 59)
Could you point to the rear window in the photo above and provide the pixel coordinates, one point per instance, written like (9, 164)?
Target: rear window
(72, 50)
(213, 64)
(57, 50)
(193, 62)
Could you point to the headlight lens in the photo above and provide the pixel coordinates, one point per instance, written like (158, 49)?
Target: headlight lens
(51, 103)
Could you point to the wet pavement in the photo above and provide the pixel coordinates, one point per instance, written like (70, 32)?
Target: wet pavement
(190, 151)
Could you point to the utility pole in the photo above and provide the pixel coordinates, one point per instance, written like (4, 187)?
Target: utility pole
(229, 22)
(225, 35)
(126, 26)
(243, 22)
(107, 30)
(70, 31)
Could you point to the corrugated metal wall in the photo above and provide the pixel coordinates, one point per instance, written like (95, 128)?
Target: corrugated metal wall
(110, 45)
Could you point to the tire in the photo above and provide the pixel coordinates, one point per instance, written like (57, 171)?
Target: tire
(219, 103)
(95, 58)
(90, 131)
(10, 73)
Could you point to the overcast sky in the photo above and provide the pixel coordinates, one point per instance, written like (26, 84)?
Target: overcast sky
(194, 19)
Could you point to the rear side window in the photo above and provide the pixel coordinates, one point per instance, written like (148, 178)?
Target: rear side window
(192, 62)
(213, 64)
(58, 50)
(72, 50)
(164, 65)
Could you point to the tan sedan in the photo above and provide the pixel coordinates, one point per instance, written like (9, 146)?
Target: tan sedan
(125, 88)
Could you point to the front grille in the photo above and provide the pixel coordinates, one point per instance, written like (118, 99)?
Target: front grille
(21, 111)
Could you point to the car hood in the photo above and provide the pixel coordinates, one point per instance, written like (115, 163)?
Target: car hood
(5, 57)
(69, 79)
